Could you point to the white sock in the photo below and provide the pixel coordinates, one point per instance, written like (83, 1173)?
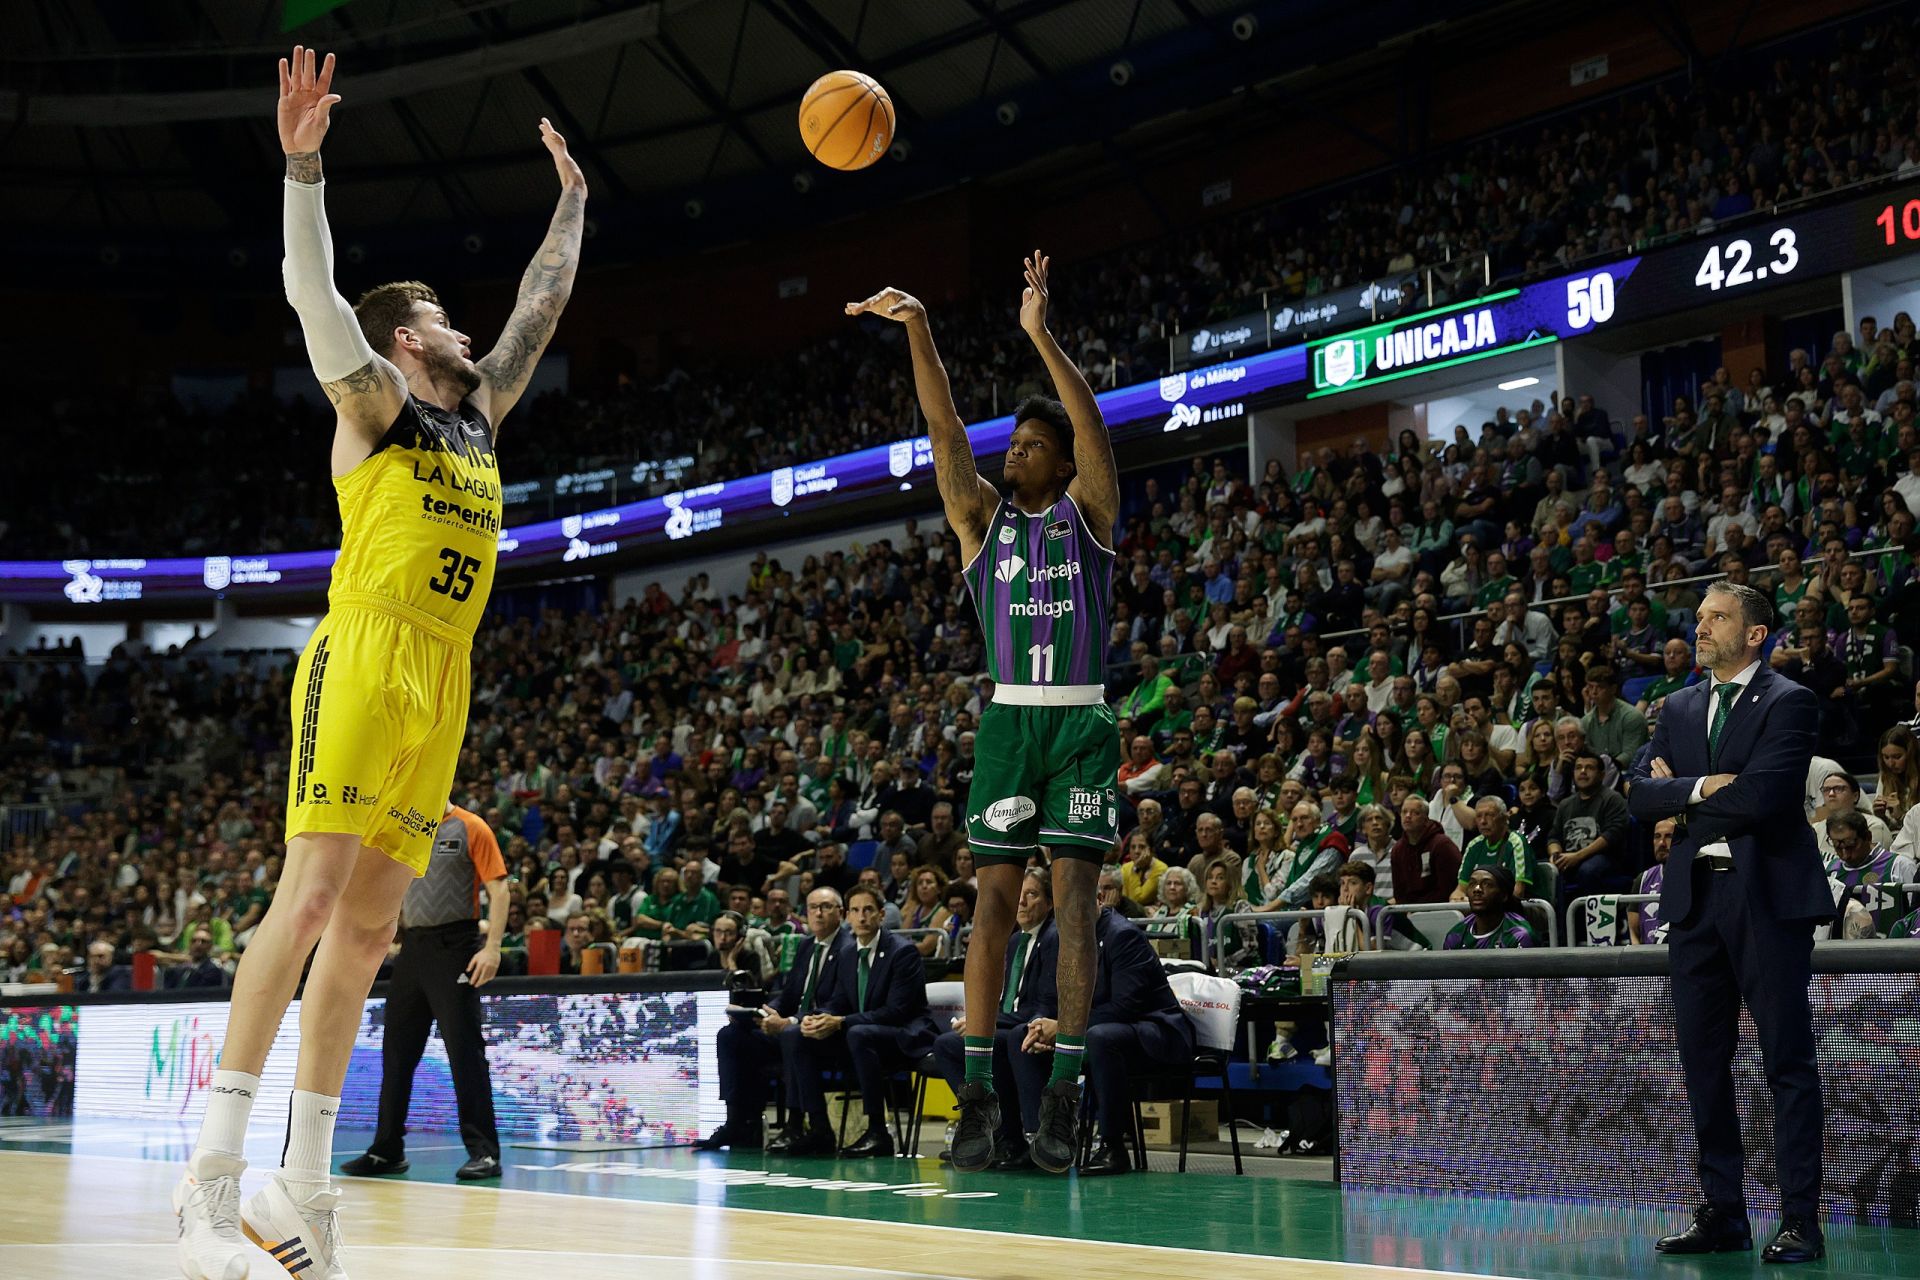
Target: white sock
(308, 1164)
(223, 1129)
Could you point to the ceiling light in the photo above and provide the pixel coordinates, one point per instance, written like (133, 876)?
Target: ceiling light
(1518, 383)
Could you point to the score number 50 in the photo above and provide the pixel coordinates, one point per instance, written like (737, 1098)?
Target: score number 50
(1738, 268)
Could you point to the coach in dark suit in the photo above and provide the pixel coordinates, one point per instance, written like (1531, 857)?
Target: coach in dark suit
(1743, 889)
(1136, 1026)
(747, 1046)
(876, 1018)
(1026, 984)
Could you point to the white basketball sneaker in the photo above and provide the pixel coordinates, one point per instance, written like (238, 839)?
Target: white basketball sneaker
(302, 1236)
(211, 1246)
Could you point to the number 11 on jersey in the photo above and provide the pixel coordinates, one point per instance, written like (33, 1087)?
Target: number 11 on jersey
(1041, 656)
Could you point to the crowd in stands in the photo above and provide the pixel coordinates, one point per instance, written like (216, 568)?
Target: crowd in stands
(1365, 682)
(1675, 159)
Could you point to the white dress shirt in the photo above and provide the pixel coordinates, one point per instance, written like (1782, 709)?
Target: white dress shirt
(1720, 848)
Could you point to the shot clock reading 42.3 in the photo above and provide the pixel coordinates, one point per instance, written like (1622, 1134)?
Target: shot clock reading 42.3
(1735, 266)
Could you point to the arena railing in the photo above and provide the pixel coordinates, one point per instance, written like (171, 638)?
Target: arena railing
(943, 944)
(1540, 907)
(1224, 933)
(1653, 588)
(1576, 912)
(23, 824)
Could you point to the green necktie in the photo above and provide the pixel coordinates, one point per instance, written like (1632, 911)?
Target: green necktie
(866, 965)
(1728, 694)
(1012, 997)
(813, 976)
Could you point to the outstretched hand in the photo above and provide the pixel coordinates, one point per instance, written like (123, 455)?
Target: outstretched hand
(568, 167)
(306, 102)
(889, 304)
(1033, 299)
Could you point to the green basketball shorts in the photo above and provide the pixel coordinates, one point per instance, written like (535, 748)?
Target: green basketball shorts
(1044, 776)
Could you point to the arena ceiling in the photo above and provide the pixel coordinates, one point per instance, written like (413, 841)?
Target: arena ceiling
(123, 120)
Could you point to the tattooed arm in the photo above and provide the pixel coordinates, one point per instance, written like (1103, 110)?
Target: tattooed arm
(1096, 481)
(970, 500)
(544, 289)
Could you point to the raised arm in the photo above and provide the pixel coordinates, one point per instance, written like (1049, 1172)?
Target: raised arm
(970, 501)
(544, 289)
(366, 390)
(1096, 480)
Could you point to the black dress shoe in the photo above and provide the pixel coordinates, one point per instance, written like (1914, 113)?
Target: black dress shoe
(732, 1137)
(1714, 1230)
(782, 1142)
(1108, 1159)
(478, 1169)
(1011, 1156)
(874, 1144)
(1798, 1240)
(810, 1142)
(373, 1166)
(1057, 1141)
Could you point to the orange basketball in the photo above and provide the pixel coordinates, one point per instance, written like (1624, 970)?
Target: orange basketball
(846, 120)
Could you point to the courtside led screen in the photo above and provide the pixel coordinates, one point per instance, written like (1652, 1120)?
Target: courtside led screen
(1571, 1089)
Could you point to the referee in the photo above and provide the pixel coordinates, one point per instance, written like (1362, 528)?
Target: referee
(442, 964)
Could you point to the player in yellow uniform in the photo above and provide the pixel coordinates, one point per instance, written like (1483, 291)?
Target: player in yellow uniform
(380, 697)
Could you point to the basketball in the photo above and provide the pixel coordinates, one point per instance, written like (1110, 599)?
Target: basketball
(846, 120)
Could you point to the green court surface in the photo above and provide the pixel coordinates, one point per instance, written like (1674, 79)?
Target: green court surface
(1277, 1217)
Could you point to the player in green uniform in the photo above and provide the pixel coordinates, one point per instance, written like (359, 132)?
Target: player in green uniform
(1040, 567)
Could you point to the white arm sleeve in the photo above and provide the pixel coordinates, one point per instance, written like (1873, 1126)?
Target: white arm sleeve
(335, 345)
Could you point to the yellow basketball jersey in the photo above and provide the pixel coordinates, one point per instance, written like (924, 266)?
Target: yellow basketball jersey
(420, 518)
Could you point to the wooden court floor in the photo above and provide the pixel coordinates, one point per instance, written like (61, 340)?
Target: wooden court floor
(98, 1207)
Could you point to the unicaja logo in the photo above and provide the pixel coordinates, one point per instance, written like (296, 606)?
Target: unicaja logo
(1009, 569)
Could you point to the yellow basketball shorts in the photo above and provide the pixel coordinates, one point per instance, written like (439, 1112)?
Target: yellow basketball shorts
(379, 715)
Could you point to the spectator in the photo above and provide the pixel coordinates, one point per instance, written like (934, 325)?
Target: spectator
(875, 1019)
(1312, 846)
(1899, 787)
(1496, 844)
(1612, 728)
(1140, 872)
(101, 973)
(926, 908)
(1588, 841)
(1837, 792)
(1492, 922)
(1644, 924)
(200, 970)
(1113, 898)
(747, 1045)
(1426, 864)
(1869, 874)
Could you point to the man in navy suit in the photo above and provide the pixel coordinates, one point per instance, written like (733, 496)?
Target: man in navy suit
(1743, 890)
(1032, 951)
(1136, 1026)
(877, 1017)
(747, 1045)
